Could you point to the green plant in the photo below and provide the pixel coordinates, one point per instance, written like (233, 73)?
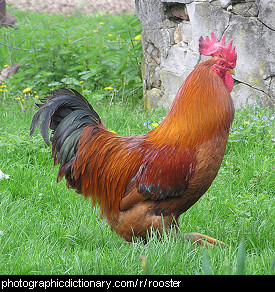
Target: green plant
(88, 53)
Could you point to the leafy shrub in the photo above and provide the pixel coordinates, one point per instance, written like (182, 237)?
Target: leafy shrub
(89, 53)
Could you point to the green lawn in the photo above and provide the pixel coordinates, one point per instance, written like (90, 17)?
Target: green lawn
(47, 229)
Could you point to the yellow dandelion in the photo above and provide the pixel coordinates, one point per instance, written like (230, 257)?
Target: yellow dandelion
(108, 88)
(23, 100)
(17, 98)
(247, 123)
(138, 37)
(112, 131)
(6, 65)
(154, 125)
(3, 86)
(3, 90)
(26, 90)
(36, 96)
(34, 92)
(95, 30)
(81, 82)
(109, 35)
(101, 23)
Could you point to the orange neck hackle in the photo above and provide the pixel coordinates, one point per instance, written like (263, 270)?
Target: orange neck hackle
(202, 109)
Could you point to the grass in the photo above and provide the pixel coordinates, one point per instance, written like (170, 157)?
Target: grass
(48, 229)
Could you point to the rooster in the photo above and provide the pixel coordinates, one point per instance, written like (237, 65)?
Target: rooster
(145, 182)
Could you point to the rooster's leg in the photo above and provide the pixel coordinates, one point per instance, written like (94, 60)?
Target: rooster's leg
(139, 221)
(202, 239)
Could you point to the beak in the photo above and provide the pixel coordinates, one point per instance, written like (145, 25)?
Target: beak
(232, 72)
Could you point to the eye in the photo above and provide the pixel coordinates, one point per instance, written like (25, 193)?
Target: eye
(222, 63)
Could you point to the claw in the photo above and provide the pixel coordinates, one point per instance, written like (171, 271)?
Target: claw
(202, 239)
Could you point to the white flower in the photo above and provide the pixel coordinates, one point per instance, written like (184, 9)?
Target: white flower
(4, 176)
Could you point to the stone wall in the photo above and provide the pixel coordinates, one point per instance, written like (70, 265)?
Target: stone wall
(171, 30)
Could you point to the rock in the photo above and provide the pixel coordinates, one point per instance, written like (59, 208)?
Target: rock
(179, 1)
(171, 82)
(172, 28)
(178, 11)
(180, 59)
(225, 3)
(266, 12)
(152, 98)
(8, 71)
(244, 95)
(256, 62)
(177, 35)
(150, 14)
(204, 18)
(247, 9)
(272, 89)
(186, 31)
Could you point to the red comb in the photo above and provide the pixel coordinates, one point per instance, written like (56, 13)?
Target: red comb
(211, 47)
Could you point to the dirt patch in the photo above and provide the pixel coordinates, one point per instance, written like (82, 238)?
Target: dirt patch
(71, 6)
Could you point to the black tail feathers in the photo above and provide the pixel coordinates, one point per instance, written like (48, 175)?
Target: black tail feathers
(66, 112)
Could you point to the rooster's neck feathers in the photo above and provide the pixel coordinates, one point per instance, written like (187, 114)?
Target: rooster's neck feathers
(202, 109)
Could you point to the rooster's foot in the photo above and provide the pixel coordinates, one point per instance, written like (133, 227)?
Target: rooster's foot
(202, 239)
